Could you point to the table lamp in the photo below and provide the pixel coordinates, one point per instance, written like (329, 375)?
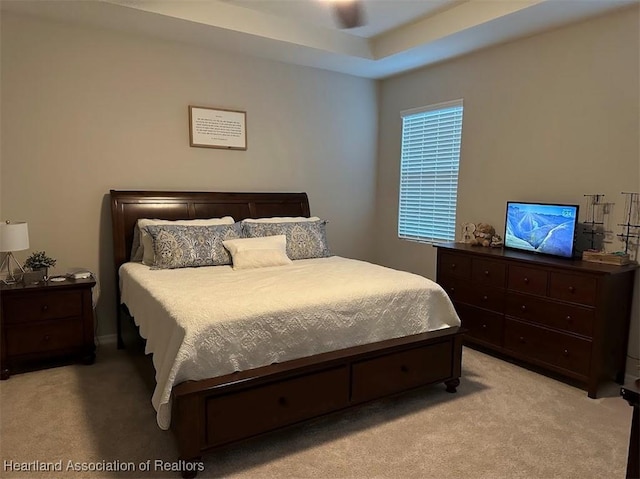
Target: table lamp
(13, 237)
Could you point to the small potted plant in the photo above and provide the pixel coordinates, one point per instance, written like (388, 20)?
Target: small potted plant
(39, 261)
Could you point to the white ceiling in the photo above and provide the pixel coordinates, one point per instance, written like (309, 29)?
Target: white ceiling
(399, 35)
(379, 15)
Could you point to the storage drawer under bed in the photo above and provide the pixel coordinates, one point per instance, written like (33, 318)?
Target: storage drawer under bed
(384, 375)
(252, 411)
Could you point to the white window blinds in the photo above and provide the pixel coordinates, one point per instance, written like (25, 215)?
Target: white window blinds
(429, 172)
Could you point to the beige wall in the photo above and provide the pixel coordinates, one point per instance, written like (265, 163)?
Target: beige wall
(547, 118)
(87, 110)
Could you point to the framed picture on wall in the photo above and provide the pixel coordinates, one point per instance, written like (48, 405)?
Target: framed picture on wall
(217, 128)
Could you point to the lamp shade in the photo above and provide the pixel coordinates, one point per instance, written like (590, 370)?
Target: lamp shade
(14, 236)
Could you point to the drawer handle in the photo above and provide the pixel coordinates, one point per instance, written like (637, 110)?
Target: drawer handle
(569, 318)
(404, 369)
(452, 289)
(485, 297)
(484, 326)
(521, 338)
(282, 401)
(523, 307)
(453, 266)
(47, 337)
(45, 308)
(526, 280)
(565, 352)
(571, 289)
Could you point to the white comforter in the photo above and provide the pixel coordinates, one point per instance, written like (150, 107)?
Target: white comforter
(211, 321)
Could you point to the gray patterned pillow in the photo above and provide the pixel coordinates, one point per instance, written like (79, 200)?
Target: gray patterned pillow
(178, 246)
(307, 239)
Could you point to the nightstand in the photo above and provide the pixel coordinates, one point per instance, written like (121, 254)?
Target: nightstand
(45, 322)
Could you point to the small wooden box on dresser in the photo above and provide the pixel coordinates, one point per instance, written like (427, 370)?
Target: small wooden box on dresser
(44, 322)
(568, 317)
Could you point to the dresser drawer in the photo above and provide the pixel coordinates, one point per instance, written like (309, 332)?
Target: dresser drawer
(396, 372)
(484, 326)
(554, 348)
(574, 288)
(42, 306)
(463, 291)
(458, 289)
(487, 297)
(527, 280)
(488, 272)
(245, 413)
(44, 337)
(567, 317)
(450, 264)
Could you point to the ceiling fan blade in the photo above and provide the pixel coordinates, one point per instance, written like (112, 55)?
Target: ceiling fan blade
(349, 13)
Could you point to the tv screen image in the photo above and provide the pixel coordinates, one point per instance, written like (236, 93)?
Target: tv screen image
(541, 228)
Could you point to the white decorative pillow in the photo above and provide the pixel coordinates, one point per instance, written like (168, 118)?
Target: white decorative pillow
(247, 253)
(280, 219)
(143, 249)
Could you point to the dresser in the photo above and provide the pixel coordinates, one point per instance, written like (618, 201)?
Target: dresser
(567, 317)
(46, 323)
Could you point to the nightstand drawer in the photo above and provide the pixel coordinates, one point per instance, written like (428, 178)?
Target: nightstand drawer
(43, 337)
(42, 307)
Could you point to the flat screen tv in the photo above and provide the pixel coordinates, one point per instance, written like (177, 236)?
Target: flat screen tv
(541, 228)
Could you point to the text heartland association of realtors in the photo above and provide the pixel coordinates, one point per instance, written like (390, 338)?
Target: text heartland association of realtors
(101, 466)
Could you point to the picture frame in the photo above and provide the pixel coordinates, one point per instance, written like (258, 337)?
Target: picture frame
(217, 128)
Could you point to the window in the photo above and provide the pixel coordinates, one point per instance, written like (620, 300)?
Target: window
(429, 172)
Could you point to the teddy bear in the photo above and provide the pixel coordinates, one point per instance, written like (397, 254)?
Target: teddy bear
(483, 235)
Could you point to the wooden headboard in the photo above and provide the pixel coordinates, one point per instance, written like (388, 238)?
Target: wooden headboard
(128, 206)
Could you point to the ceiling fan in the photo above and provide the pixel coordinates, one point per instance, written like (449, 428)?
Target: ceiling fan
(348, 13)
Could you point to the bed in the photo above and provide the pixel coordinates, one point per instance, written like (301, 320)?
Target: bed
(247, 396)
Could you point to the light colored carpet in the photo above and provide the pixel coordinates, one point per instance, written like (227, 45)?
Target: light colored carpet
(504, 422)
